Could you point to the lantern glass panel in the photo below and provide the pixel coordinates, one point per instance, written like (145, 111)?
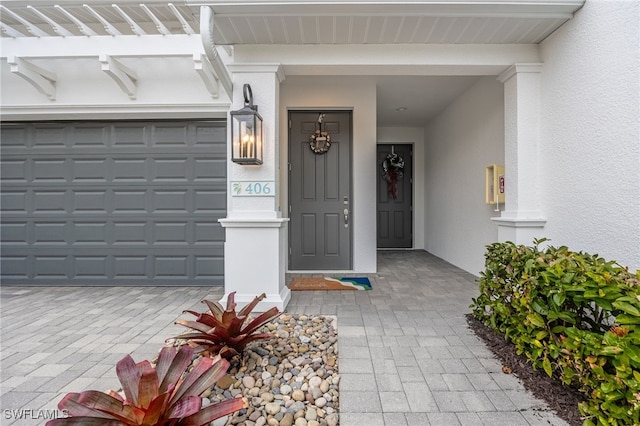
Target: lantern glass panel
(247, 138)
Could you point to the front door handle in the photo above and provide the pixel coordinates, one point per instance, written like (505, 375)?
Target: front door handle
(346, 217)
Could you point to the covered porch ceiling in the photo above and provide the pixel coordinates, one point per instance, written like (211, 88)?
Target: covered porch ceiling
(323, 23)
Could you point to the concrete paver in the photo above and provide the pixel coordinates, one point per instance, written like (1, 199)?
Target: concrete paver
(406, 354)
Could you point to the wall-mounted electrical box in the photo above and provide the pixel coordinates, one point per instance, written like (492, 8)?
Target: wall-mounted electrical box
(494, 184)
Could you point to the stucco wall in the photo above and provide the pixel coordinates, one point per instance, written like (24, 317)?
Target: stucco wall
(415, 136)
(355, 93)
(590, 149)
(460, 142)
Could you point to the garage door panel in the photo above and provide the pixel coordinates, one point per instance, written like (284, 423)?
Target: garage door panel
(105, 203)
(88, 136)
(52, 201)
(172, 201)
(170, 169)
(91, 267)
(49, 136)
(208, 169)
(13, 202)
(91, 169)
(52, 171)
(50, 234)
(168, 135)
(130, 170)
(15, 233)
(91, 233)
(14, 170)
(130, 135)
(92, 201)
(131, 201)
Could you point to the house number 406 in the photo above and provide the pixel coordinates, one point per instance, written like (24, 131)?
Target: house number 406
(252, 188)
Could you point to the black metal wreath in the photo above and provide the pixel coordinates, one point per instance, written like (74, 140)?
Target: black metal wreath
(392, 172)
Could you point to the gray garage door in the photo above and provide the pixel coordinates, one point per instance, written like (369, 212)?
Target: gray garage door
(113, 203)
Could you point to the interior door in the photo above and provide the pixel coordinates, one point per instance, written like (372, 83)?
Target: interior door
(320, 192)
(395, 192)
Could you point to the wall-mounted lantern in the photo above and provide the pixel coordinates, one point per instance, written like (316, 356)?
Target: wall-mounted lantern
(246, 131)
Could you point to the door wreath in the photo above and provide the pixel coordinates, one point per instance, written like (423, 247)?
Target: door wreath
(392, 172)
(320, 141)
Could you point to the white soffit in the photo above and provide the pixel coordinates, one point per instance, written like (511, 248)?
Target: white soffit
(387, 22)
(297, 22)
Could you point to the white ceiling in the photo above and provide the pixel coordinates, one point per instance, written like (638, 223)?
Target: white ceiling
(315, 22)
(422, 96)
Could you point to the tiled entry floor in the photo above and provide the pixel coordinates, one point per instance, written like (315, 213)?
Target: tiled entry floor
(406, 354)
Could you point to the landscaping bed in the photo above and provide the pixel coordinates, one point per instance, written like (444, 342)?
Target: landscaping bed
(561, 399)
(574, 317)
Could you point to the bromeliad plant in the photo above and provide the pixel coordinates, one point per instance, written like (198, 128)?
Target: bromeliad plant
(222, 331)
(160, 396)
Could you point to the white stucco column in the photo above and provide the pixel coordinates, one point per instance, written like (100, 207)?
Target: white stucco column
(255, 244)
(522, 220)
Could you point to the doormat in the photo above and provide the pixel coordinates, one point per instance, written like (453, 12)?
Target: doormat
(333, 283)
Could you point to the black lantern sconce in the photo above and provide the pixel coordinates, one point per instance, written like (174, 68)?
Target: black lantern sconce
(246, 131)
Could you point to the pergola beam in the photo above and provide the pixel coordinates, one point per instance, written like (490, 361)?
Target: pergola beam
(106, 24)
(84, 28)
(134, 27)
(30, 27)
(59, 29)
(162, 29)
(10, 31)
(185, 25)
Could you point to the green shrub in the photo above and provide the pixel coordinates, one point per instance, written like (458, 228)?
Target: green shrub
(575, 315)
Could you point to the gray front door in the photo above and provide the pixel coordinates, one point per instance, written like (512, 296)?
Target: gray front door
(320, 193)
(395, 199)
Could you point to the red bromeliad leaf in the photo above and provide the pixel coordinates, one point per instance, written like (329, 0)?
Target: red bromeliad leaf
(175, 370)
(148, 387)
(100, 405)
(116, 395)
(84, 421)
(196, 326)
(208, 319)
(157, 409)
(247, 309)
(231, 302)
(214, 411)
(261, 320)
(235, 324)
(129, 376)
(165, 358)
(185, 407)
(190, 378)
(215, 308)
(209, 378)
(70, 404)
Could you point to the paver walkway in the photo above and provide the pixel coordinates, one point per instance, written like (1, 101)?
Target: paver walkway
(406, 356)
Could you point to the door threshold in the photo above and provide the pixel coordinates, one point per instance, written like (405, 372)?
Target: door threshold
(397, 248)
(320, 272)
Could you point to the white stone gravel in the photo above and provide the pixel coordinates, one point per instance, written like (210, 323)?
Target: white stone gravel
(290, 379)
